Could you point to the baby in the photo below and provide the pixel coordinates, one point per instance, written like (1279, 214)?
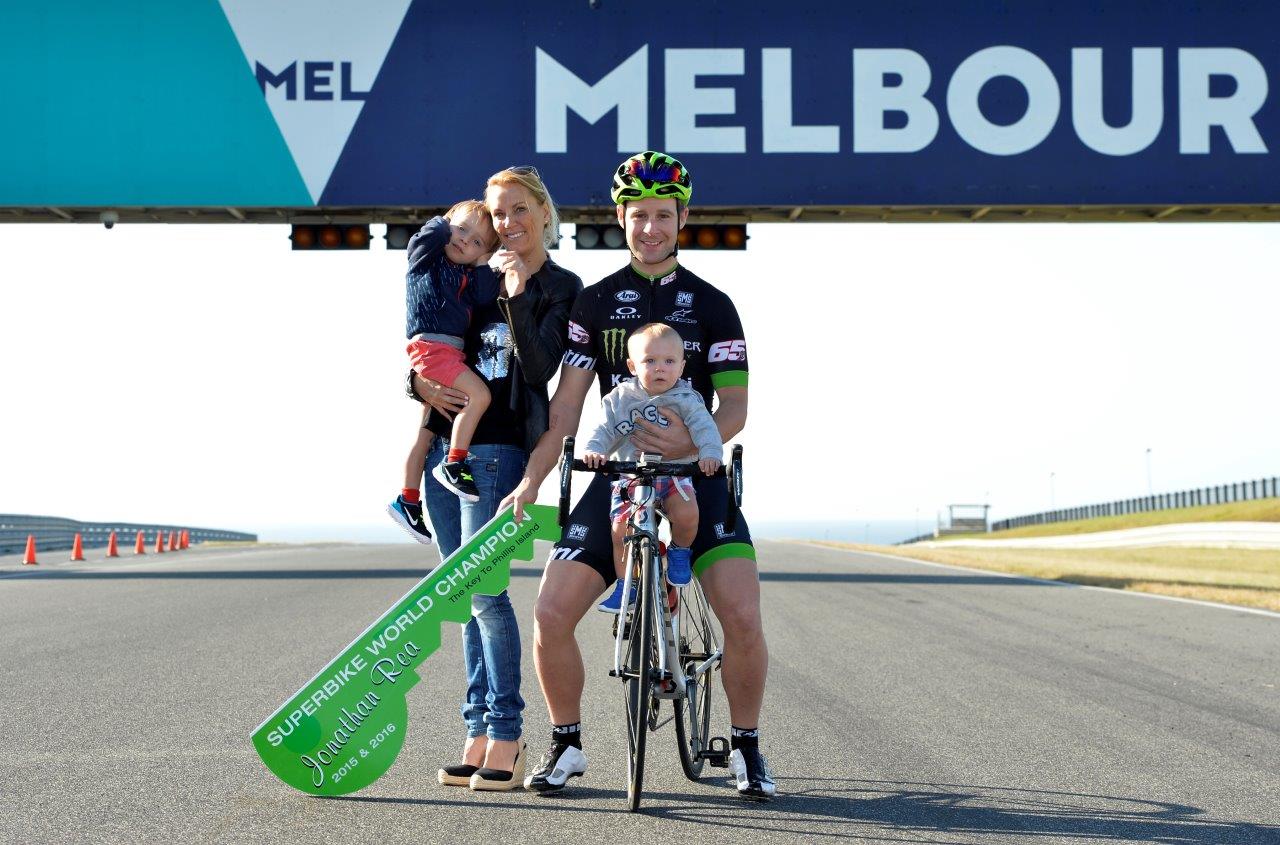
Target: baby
(655, 356)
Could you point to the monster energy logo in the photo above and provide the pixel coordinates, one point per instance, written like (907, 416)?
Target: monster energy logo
(615, 345)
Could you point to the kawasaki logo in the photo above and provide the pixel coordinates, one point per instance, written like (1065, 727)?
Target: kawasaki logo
(614, 342)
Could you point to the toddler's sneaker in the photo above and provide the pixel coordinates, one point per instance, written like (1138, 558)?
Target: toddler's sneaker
(613, 604)
(456, 475)
(679, 570)
(409, 516)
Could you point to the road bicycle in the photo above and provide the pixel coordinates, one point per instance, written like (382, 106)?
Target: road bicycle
(666, 646)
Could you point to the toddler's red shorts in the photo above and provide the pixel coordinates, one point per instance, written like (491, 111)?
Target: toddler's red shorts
(436, 361)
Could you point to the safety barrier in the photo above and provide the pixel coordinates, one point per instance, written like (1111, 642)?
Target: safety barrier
(53, 533)
(1262, 488)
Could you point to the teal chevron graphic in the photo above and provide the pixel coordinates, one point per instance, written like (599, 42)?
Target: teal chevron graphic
(135, 103)
(345, 727)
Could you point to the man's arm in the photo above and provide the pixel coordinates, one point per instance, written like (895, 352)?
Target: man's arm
(673, 441)
(563, 418)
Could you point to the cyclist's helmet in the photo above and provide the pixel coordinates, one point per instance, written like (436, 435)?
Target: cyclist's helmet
(651, 174)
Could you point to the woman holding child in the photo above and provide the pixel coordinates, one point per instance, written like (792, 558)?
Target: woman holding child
(514, 344)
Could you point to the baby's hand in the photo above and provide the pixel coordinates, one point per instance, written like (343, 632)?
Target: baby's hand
(709, 465)
(595, 460)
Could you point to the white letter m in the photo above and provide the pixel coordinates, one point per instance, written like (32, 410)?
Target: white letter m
(625, 88)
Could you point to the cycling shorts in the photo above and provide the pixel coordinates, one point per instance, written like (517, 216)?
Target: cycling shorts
(436, 361)
(664, 486)
(587, 539)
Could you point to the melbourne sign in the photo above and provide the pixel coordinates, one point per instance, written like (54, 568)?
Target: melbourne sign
(345, 727)
(809, 103)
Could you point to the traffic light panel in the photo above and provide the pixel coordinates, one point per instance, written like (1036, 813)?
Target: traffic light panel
(329, 236)
(599, 236)
(398, 235)
(713, 236)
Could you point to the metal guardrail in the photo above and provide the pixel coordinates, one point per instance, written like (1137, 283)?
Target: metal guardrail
(53, 533)
(1261, 488)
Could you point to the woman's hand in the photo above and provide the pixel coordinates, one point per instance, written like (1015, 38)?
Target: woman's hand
(511, 267)
(446, 400)
(672, 442)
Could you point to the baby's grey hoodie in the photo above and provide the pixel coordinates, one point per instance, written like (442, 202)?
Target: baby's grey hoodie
(629, 402)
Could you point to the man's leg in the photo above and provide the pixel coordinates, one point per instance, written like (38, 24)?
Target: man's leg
(567, 592)
(732, 586)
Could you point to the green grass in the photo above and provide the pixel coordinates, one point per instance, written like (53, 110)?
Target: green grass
(1247, 577)
(1259, 510)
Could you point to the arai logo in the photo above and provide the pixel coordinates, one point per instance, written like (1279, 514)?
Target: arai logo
(627, 295)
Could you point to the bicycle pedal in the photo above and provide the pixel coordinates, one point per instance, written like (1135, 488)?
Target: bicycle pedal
(717, 752)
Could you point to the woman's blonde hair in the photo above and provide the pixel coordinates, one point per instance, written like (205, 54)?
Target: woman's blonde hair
(529, 178)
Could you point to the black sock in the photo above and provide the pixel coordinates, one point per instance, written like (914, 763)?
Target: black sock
(567, 735)
(743, 738)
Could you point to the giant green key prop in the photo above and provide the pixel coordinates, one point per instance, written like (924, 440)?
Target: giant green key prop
(344, 728)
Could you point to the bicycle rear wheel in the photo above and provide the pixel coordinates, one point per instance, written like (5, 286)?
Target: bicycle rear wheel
(698, 644)
(638, 670)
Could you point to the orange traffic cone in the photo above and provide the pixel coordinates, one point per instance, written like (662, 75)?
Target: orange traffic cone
(29, 557)
(159, 542)
(77, 548)
(140, 547)
(173, 541)
(112, 551)
(185, 542)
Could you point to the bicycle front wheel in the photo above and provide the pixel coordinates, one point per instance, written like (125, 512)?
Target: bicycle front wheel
(638, 670)
(699, 646)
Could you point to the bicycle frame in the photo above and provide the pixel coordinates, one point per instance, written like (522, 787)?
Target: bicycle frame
(642, 535)
(662, 650)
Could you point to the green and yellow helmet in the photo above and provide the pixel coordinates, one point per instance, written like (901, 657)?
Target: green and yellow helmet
(651, 174)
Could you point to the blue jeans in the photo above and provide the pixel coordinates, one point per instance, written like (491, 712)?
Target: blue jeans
(491, 640)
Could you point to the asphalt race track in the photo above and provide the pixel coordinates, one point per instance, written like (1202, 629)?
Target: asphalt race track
(906, 703)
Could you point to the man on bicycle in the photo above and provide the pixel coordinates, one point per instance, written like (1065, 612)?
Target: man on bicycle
(652, 192)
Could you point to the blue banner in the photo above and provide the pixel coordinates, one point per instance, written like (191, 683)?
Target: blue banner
(917, 102)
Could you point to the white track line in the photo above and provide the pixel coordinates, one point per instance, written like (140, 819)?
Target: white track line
(1113, 590)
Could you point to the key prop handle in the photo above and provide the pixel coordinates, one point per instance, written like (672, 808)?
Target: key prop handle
(345, 727)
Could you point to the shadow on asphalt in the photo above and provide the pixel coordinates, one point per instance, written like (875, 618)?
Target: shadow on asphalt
(516, 572)
(857, 809)
(845, 807)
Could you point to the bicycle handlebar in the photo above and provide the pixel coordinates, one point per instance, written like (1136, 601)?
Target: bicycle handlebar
(684, 470)
(730, 471)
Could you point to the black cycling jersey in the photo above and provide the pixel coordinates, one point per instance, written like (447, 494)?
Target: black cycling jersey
(606, 314)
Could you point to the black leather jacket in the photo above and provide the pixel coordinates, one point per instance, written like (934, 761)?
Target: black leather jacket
(539, 321)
